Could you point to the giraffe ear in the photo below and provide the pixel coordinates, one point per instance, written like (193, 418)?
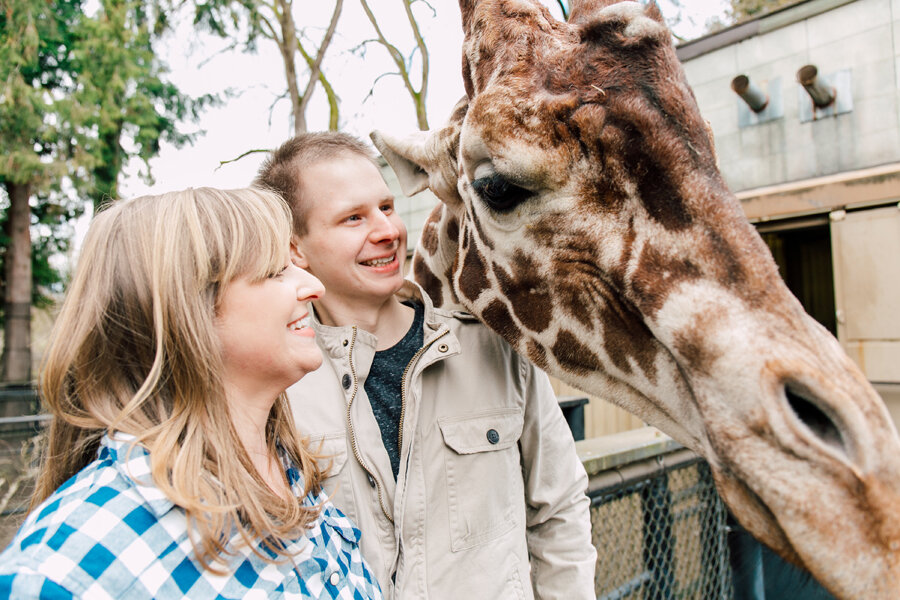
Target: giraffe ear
(407, 156)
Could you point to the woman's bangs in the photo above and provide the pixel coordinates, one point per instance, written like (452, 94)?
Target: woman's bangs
(266, 236)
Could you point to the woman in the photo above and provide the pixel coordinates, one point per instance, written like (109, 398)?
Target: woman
(172, 468)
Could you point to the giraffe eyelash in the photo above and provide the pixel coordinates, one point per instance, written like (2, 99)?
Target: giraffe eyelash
(499, 194)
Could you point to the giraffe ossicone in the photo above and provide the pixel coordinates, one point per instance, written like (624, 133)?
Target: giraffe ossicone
(583, 218)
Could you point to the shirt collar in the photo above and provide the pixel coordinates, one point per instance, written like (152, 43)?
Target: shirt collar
(132, 461)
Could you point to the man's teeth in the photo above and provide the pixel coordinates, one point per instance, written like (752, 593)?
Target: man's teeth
(379, 262)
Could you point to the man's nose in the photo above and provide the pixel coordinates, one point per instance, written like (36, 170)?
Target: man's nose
(383, 229)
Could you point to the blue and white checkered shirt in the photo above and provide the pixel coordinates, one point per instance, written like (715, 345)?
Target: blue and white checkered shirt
(104, 535)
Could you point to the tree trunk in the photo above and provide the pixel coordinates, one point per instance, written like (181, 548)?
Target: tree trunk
(287, 45)
(16, 361)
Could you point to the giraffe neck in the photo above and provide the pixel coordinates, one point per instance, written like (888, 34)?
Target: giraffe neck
(434, 258)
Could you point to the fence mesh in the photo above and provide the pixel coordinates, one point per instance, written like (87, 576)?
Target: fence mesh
(662, 537)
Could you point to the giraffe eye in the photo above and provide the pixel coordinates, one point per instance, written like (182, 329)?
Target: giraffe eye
(498, 193)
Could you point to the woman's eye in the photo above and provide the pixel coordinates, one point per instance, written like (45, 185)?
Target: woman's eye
(499, 194)
(280, 272)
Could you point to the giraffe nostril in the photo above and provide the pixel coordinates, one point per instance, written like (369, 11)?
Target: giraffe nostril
(815, 419)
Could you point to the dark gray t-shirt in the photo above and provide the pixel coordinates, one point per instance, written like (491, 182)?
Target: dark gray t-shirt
(385, 382)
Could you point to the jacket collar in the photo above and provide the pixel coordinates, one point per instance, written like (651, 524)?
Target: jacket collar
(335, 340)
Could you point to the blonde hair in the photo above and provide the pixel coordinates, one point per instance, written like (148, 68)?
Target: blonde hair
(134, 350)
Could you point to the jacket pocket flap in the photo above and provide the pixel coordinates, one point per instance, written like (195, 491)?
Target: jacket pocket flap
(333, 450)
(490, 430)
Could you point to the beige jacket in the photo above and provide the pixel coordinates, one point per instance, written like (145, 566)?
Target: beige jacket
(488, 476)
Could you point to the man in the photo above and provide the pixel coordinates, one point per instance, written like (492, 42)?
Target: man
(448, 449)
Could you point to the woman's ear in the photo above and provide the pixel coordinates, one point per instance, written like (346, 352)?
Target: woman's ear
(297, 255)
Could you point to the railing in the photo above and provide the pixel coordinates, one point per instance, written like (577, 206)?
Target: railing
(18, 399)
(658, 525)
(657, 522)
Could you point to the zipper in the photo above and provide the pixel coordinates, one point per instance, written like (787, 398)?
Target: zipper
(353, 435)
(403, 386)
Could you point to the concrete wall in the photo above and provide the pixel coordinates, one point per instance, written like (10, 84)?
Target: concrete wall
(845, 166)
(862, 37)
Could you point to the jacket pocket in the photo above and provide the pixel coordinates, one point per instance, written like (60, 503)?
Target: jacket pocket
(484, 475)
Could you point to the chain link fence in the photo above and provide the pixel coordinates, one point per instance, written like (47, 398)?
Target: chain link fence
(659, 527)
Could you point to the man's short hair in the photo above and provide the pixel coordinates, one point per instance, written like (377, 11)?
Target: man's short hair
(283, 169)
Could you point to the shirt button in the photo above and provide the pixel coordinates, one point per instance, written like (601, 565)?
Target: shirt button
(335, 578)
(492, 436)
(346, 381)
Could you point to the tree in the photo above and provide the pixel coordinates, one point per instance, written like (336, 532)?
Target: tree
(37, 146)
(136, 108)
(72, 87)
(403, 62)
(274, 20)
(742, 10)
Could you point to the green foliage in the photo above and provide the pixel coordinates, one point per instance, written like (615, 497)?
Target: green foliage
(742, 10)
(80, 94)
(136, 108)
(36, 137)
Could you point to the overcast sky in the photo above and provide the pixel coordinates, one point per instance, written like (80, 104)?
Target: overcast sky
(254, 119)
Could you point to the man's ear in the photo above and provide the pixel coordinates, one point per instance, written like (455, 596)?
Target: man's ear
(297, 255)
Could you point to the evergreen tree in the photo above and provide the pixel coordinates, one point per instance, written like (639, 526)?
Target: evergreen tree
(79, 96)
(38, 146)
(135, 107)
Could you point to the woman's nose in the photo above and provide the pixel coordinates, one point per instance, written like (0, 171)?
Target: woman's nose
(309, 287)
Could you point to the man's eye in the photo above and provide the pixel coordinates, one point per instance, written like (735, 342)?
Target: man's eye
(499, 194)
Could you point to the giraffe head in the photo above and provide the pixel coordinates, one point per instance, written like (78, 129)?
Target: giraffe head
(585, 221)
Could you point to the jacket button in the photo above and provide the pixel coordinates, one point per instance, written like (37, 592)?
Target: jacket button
(346, 381)
(443, 348)
(345, 342)
(371, 479)
(492, 436)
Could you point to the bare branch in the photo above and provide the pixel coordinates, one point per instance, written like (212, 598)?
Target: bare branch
(222, 163)
(428, 4)
(272, 106)
(417, 96)
(396, 55)
(228, 48)
(315, 66)
(362, 46)
(374, 83)
(272, 35)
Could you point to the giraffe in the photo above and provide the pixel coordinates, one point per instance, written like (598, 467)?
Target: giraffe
(584, 220)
